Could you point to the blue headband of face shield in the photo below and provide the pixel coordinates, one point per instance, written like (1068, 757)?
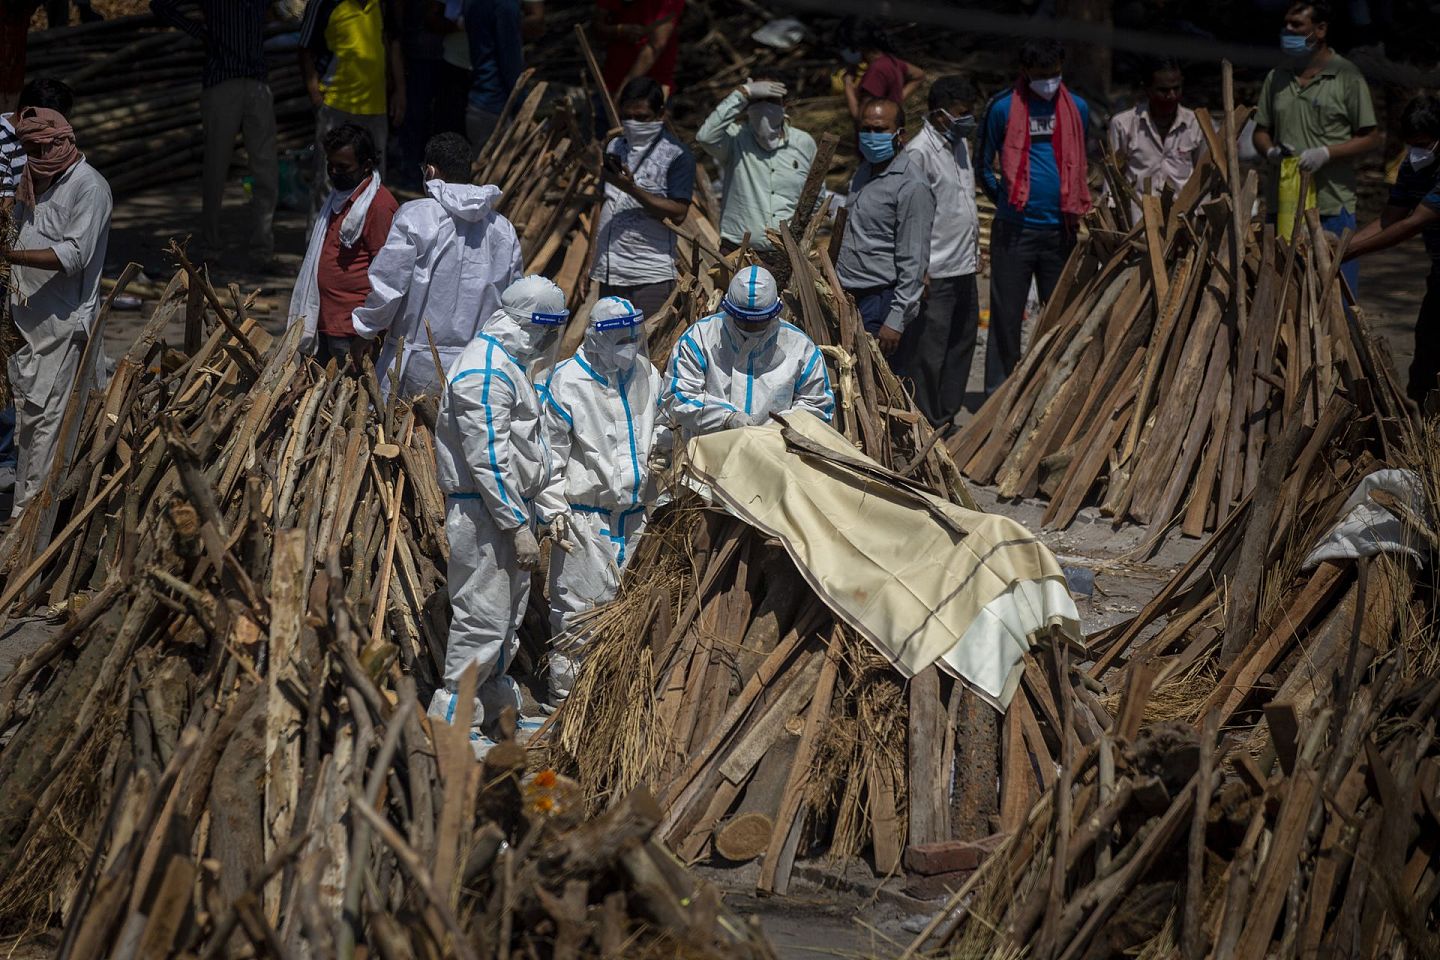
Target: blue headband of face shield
(550, 319)
(632, 319)
(748, 315)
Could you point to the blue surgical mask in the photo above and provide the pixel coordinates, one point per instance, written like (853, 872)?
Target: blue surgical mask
(1295, 44)
(877, 147)
(1421, 157)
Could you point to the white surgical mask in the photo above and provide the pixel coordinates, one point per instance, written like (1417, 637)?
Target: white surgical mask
(1045, 89)
(641, 133)
(1421, 157)
(767, 122)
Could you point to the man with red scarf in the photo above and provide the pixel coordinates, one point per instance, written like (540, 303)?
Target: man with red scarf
(1035, 133)
(63, 213)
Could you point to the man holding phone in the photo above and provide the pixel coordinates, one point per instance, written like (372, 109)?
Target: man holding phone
(649, 178)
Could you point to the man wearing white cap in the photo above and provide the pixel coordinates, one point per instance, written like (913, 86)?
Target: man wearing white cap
(600, 415)
(493, 461)
(736, 367)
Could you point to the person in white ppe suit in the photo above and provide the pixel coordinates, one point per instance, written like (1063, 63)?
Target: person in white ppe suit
(444, 263)
(601, 421)
(735, 368)
(492, 461)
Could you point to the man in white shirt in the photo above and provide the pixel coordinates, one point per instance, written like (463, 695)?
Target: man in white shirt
(649, 178)
(936, 350)
(63, 212)
(1158, 141)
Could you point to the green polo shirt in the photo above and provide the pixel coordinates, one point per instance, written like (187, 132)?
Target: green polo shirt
(1330, 110)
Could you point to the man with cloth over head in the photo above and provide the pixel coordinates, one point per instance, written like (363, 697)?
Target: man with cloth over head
(735, 368)
(601, 421)
(63, 212)
(440, 273)
(492, 462)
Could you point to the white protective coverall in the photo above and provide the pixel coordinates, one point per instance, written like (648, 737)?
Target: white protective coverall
(492, 462)
(446, 260)
(601, 416)
(54, 312)
(737, 367)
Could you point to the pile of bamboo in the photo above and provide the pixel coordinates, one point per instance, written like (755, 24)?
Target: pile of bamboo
(223, 750)
(1269, 783)
(137, 96)
(1170, 356)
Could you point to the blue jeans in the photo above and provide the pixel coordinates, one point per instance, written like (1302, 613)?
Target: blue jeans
(7, 437)
(874, 305)
(1337, 224)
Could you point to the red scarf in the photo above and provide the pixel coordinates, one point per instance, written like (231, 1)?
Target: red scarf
(1067, 140)
(48, 131)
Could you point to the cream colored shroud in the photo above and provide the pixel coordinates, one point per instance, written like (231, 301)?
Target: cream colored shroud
(914, 588)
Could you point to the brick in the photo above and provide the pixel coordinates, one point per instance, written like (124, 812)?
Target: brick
(938, 887)
(949, 856)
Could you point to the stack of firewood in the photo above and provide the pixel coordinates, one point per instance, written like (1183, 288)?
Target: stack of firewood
(137, 96)
(1268, 785)
(224, 750)
(768, 727)
(1170, 356)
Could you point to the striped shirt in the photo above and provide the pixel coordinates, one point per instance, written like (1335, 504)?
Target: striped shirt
(232, 31)
(12, 156)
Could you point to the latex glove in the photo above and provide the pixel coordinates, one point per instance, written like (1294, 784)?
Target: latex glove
(759, 419)
(658, 462)
(763, 90)
(737, 420)
(1276, 153)
(1314, 158)
(559, 532)
(527, 550)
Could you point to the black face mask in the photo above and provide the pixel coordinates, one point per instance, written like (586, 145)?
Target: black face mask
(346, 183)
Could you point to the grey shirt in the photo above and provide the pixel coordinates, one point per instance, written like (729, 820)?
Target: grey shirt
(887, 235)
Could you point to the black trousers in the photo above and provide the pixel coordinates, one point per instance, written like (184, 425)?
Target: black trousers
(1425, 367)
(649, 297)
(1017, 254)
(937, 347)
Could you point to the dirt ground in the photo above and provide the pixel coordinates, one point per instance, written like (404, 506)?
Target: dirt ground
(832, 911)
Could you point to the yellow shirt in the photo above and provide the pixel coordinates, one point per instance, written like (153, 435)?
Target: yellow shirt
(355, 34)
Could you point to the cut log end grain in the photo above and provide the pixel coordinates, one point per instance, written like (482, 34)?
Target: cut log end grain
(745, 837)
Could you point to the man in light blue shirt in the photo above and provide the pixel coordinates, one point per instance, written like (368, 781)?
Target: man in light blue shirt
(764, 160)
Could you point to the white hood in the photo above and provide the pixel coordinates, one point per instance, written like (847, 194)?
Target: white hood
(465, 201)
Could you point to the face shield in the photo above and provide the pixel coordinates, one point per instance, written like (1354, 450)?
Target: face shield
(616, 337)
(752, 302)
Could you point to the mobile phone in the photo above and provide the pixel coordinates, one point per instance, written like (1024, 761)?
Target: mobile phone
(613, 164)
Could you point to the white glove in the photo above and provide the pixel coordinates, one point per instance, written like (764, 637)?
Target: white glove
(1275, 154)
(527, 550)
(763, 90)
(560, 527)
(737, 420)
(1314, 158)
(759, 419)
